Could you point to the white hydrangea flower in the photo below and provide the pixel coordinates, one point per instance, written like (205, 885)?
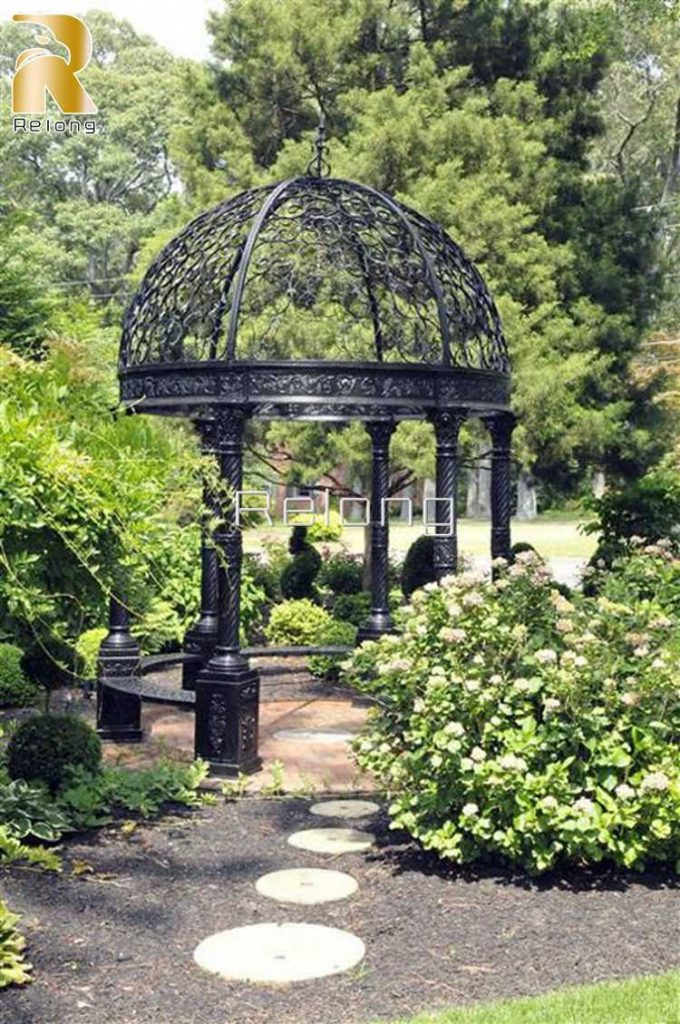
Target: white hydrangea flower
(453, 609)
(469, 810)
(624, 791)
(452, 635)
(584, 805)
(471, 685)
(580, 661)
(477, 754)
(655, 782)
(546, 656)
(473, 599)
(550, 803)
(454, 729)
(467, 764)
(551, 705)
(510, 762)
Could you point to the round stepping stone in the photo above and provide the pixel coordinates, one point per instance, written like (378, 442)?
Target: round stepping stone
(332, 840)
(345, 809)
(279, 952)
(306, 885)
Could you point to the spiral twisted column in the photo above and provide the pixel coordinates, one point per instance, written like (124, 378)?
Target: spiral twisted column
(500, 426)
(201, 638)
(118, 712)
(379, 620)
(447, 426)
(227, 689)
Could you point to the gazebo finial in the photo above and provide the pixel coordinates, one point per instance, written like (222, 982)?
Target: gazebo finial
(319, 166)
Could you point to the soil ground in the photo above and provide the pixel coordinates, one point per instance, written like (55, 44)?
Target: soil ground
(115, 943)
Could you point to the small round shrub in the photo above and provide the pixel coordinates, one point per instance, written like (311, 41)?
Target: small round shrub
(296, 623)
(320, 531)
(15, 689)
(342, 574)
(333, 634)
(45, 746)
(87, 651)
(418, 567)
(352, 608)
(297, 579)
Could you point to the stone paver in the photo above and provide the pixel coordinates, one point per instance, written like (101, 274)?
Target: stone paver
(279, 952)
(332, 840)
(344, 809)
(324, 764)
(306, 886)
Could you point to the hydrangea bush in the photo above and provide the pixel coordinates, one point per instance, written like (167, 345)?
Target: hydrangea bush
(515, 722)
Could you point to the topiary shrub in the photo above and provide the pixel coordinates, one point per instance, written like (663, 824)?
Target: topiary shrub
(87, 651)
(15, 689)
(45, 746)
(333, 634)
(515, 724)
(297, 579)
(352, 608)
(418, 567)
(296, 623)
(342, 574)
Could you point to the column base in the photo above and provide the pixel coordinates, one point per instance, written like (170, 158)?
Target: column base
(375, 626)
(202, 644)
(121, 735)
(227, 717)
(119, 715)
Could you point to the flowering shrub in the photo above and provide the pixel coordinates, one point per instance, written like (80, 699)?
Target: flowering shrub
(513, 721)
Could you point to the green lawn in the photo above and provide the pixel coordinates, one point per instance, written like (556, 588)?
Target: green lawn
(637, 1001)
(551, 537)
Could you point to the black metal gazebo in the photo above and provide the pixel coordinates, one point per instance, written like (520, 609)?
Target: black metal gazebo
(313, 299)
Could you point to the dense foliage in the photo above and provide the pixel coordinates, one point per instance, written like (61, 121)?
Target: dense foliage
(332, 634)
(515, 723)
(14, 970)
(44, 747)
(646, 508)
(15, 689)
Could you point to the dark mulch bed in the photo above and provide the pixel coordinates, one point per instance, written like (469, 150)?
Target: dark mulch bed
(117, 945)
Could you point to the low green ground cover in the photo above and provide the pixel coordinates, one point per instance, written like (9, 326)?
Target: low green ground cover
(653, 1000)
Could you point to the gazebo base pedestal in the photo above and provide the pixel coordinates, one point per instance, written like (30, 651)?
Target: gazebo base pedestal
(227, 713)
(375, 627)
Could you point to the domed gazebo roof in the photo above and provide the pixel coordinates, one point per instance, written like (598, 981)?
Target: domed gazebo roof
(313, 298)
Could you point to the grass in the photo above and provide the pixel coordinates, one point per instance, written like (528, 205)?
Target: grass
(551, 537)
(654, 1000)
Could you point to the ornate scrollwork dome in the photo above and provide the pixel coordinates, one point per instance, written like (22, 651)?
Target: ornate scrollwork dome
(317, 275)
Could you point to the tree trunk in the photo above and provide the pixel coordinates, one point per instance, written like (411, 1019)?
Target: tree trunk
(527, 504)
(478, 503)
(598, 483)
